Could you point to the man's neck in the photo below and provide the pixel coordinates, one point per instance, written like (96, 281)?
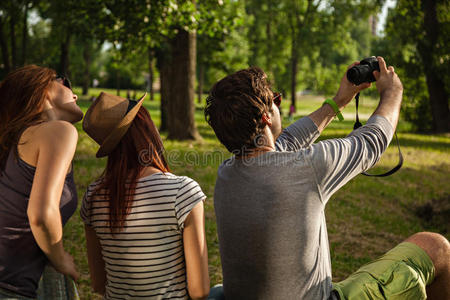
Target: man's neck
(265, 143)
(259, 150)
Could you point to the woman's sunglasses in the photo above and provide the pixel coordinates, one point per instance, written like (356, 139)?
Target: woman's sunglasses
(277, 99)
(65, 81)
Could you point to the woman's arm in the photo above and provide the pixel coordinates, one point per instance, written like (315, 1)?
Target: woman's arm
(56, 142)
(196, 253)
(95, 260)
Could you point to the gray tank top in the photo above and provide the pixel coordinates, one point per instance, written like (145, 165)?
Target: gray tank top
(21, 260)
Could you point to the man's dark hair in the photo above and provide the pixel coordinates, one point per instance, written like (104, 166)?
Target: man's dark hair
(235, 106)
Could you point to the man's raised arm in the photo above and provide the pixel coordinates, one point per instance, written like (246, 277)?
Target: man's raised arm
(347, 91)
(303, 132)
(391, 90)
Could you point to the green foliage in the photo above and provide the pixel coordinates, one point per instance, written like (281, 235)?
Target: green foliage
(153, 22)
(416, 108)
(45, 47)
(232, 35)
(221, 52)
(325, 35)
(121, 73)
(82, 18)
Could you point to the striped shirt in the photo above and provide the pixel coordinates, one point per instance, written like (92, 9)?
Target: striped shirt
(146, 259)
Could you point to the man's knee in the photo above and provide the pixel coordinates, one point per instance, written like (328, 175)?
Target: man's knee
(435, 245)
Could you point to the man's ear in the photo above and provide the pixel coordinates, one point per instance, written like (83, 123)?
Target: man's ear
(266, 119)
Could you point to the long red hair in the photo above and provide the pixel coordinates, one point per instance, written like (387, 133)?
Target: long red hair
(22, 97)
(140, 147)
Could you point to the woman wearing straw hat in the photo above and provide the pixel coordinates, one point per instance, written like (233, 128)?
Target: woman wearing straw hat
(37, 191)
(144, 226)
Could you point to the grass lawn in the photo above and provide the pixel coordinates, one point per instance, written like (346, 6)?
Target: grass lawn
(365, 218)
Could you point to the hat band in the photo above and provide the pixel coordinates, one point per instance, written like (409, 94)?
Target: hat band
(131, 104)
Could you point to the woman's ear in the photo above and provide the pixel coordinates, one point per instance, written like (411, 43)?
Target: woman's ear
(266, 119)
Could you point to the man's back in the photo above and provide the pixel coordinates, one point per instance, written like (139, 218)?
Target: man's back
(270, 211)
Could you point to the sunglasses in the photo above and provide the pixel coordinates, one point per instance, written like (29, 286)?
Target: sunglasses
(65, 81)
(277, 99)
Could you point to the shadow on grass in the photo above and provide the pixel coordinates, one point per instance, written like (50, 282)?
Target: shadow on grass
(416, 141)
(436, 214)
(421, 193)
(424, 144)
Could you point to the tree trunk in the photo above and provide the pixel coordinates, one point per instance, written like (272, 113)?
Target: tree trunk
(436, 86)
(151, 73)
(438, 102)
(24, 35)
(162, 55)
(4, 46)
(64, 59)
(117, 83)
(201, 74)
(181, 108)
(87, 66)
(165, 74)
(294, 62)
(12, 25)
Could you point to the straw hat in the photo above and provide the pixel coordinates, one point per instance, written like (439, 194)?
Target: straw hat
(108, 119)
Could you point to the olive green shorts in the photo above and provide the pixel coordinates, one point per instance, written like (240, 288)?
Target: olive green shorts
(402, 273)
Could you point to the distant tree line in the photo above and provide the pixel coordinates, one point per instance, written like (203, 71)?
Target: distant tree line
(188, 45)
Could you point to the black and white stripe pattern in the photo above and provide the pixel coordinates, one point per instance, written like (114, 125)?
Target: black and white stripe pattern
(146, 259)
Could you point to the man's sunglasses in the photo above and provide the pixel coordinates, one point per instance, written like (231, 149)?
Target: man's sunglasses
(65, 81)
(277, 99)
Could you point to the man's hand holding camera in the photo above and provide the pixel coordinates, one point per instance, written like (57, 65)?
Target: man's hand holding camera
(359, 76)
(347, 90)
(391, 90)
(387, 79)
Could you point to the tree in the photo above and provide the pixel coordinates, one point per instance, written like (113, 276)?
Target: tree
(151, 72)
(168, 25)
(72, 19)
(155, 24)
(25, 33)
(300, 16)
(180, 107)
(308, 39)
(420, 31)
(4, 45)
(435, 60)
(13, 19)
(220, 52)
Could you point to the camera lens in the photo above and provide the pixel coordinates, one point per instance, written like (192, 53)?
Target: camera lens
(353, 75)
(359, 74)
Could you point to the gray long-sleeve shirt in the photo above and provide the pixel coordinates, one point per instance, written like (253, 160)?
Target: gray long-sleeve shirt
(270, 210)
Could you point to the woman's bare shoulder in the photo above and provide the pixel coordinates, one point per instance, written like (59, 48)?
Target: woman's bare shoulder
(55, 132)
(46, 135)
(52, 138)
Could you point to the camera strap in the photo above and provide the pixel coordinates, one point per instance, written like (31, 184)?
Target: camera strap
(400, 155)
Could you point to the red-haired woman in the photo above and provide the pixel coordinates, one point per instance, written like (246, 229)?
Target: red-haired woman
(37, 191)
(144, 226)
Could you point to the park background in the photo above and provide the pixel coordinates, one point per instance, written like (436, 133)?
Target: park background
(175, 50)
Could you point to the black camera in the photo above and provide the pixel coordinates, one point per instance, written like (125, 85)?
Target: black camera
(363, 72)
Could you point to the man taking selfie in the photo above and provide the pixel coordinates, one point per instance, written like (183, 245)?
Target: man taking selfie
(270, 196)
